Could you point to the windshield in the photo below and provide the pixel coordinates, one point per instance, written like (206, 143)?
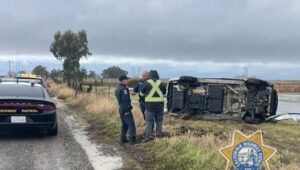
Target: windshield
(11, 90)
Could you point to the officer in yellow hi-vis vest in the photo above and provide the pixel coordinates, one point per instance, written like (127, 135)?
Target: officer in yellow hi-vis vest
(153, 90)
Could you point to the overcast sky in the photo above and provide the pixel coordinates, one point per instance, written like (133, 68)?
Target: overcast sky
(198, 37)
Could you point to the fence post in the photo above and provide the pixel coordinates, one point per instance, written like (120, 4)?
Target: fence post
(108, 88)
(96, 86)
(90, 89)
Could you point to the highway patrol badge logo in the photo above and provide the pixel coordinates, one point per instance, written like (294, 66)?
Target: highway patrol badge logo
(247, 152)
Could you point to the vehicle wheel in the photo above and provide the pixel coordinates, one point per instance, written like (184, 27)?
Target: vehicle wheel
(188, 79)
(275, 103)
(256, 81)
(53, 131)
(248, 118)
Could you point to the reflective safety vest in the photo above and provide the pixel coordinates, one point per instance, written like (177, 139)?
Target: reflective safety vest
(155, 89)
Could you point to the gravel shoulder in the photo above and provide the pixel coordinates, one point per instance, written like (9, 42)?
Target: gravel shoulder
(28, 149)
(71, 149)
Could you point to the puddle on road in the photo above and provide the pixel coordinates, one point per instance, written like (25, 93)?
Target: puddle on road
(98, 158)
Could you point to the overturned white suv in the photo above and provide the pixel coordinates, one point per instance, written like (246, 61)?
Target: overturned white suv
(252, 100)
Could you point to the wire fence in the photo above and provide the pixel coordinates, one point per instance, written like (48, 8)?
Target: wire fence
(96, 86)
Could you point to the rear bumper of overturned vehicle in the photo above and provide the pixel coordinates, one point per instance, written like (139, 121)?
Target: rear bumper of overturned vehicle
(41, 120)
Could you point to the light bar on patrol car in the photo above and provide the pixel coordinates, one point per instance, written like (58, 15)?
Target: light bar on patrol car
(28, 75)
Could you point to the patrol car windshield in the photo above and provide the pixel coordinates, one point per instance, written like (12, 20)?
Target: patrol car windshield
(9, 90)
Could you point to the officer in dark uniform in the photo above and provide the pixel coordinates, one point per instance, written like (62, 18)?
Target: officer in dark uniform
(137, 89)
(123, 97)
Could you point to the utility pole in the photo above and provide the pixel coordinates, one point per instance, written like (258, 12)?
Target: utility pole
(9, 68)
(245, 72)
(18, 67)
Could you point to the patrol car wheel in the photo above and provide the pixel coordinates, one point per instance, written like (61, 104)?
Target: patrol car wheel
(53, 131)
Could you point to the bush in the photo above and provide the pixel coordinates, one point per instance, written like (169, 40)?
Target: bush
(61, 90)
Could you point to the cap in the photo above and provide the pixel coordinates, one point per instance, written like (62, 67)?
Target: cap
(123, 77)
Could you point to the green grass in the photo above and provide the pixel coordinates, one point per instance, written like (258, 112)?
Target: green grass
(178, 153)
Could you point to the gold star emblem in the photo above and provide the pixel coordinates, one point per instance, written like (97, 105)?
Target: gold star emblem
(247, 152)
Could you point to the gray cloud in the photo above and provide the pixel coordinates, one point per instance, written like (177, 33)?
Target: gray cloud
(214, 30)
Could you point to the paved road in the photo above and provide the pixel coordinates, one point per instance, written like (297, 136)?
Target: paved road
(288, 103)
(30, 151)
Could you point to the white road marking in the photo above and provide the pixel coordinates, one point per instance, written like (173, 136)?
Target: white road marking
(98, 159)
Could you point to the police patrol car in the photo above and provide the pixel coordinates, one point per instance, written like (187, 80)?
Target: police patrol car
(24, 104)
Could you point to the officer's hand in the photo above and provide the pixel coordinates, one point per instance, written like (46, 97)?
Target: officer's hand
(133, 93)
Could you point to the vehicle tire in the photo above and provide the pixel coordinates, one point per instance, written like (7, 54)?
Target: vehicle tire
(188, 79)
(53, 131)
(256, 81)
(248, 119)
(275, 103)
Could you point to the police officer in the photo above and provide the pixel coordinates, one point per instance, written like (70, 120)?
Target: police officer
(137, 89)
(123, 97)
(153, 90)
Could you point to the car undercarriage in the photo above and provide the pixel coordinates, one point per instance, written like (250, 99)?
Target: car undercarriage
(252, 100)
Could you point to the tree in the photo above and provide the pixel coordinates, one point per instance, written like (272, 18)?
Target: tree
(56, 74)
(92, 74)
(40, 70)
(82, 74)
(70, 47)
(113, 72)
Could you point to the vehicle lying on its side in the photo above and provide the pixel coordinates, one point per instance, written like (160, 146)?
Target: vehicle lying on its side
(252, 100)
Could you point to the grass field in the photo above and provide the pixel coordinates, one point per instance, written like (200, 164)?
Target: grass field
(292, 86)
(190, 144)
(283, 86)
